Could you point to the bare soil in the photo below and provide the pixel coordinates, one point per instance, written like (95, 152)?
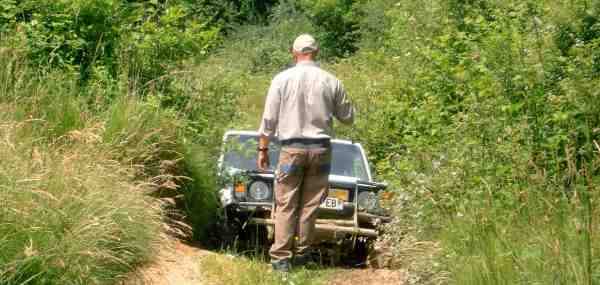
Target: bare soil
(368, 277)
(177, 263)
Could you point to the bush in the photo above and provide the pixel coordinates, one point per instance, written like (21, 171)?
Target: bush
(70, 33)
(335, 25)
(153, 49)
(144, 39)
(232, 13)
(480, 116)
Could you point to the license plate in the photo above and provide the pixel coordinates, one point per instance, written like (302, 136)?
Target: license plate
(332, 203)
(341, 194)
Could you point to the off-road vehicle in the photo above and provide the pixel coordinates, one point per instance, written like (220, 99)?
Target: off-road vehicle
(347, 219)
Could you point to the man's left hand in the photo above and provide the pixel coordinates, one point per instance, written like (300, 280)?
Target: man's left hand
(263, 161)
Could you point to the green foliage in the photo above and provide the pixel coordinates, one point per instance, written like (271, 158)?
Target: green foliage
(144, 39)
(483, 117)
(232, 13)
(208, 106)
(372, 23)
(336, 25)
(64, 33)
(9, 11)
(168, 35)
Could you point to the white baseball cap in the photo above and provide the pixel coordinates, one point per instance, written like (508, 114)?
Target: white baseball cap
(305, 43)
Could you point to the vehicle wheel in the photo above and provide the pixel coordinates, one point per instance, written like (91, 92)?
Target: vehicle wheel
(357, 255)
(228, 228)
(226, 235)
(256, 239)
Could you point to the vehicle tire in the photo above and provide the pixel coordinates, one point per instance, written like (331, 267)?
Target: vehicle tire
(357, 255)
(228, 228)
(256, 239)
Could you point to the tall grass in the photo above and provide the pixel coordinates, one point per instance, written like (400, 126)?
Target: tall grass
(483, 116)
(70, 214)
(89, 182)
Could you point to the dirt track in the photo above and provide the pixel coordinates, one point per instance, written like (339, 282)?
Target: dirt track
(179, 264)
(368, 277)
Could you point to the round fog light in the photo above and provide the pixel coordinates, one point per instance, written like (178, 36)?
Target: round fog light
(259, 191)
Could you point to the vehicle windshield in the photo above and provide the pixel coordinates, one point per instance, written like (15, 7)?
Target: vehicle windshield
(240, 153)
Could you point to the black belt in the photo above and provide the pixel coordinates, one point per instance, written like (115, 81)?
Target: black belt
(306, 142)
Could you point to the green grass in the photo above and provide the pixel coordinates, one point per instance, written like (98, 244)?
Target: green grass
(542, 241)
(69, 215)
(230, 269)
(81, 175)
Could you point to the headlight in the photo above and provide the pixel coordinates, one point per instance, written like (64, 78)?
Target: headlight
(259, 191)
(367, 200)
(226, 196)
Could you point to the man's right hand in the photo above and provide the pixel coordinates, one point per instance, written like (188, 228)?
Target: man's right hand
(263, 161)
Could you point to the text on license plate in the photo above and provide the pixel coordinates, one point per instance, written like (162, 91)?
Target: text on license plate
(333, 203)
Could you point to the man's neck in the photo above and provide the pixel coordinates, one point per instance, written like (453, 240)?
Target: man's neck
(304, 57)
(305, 62)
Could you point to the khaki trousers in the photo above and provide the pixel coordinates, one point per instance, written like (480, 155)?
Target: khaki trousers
(302, 183)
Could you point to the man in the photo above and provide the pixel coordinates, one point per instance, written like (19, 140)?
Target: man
(299, 109)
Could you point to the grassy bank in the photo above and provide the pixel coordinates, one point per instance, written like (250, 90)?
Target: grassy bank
(75, 210)
(93, 175)
(70, 214)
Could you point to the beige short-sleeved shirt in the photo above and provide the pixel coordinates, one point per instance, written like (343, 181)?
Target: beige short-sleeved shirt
(302, 102)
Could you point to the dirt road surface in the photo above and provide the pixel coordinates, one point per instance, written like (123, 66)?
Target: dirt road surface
(178, 263)
(368, 277)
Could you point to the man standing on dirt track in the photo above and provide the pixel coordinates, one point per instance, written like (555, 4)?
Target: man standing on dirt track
(299, 109)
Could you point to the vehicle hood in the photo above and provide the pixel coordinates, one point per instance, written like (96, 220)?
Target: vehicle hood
(333, 179)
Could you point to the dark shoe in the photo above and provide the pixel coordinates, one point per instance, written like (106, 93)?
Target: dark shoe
(281, 265)
(304, 259)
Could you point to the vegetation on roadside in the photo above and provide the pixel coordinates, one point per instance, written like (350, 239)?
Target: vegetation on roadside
(484, 119)
(98, 165)
(69, 214)
(482, 115)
